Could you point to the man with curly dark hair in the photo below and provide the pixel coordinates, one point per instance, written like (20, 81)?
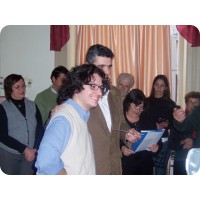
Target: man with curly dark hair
(66, 147)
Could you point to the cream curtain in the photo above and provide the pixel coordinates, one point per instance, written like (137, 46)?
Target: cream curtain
(188, 71)
(193, 68)
(181, 79)
(143, 51)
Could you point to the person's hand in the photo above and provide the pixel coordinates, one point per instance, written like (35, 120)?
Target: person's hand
(132, 136)
(179, 115)
(187, 143)
(57, 108)
(29, 154)
(154, 148)
(126, 151)
(62, 172)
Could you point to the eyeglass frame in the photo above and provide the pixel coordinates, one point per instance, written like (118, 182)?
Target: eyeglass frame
(96, 87)
(135, 107)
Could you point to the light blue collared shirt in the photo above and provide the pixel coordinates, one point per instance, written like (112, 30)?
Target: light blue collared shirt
(55, 140)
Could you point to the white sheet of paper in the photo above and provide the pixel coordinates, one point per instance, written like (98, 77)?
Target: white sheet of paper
(148, 138)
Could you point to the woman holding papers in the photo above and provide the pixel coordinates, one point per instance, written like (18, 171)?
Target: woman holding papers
(135, 163)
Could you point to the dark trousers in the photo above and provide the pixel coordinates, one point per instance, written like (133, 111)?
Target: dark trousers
(161, 160)
(179, 162)
(15, 164)
(140, 163)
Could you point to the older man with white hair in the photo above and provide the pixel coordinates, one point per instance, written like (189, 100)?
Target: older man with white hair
(125, 82)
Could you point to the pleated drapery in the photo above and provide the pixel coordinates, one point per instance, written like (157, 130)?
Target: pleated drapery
(143, 51)
(190, 33)
(59, 35)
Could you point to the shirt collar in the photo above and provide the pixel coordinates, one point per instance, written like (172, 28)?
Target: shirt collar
(104, 97)
(53, 90)
(106, 94)
(83, 114)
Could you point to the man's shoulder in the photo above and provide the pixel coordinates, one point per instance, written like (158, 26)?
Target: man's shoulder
(29, 101)
(115, 94)
(114, 97)
(198, 107)
(196, 111)
(43, 93)
(114, 90)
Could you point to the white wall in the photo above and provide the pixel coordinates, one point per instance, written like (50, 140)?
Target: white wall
(25, 50)
(174, 60)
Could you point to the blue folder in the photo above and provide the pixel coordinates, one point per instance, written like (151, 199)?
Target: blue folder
(137, 146)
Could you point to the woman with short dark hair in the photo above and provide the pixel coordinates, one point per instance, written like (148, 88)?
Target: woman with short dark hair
(21, 128)
(135, 163)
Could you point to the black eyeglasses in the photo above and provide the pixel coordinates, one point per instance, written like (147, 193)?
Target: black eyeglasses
(95, 87)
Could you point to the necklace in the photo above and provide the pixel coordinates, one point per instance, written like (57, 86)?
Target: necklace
(19, 105)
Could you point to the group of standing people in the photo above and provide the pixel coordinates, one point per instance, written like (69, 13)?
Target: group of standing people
(83, 133)
(157, 113)
(86, 86)
(152, 113)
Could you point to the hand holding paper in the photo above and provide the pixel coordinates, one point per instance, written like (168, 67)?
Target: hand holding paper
(132, 135)
(126, 151)
(154, 148)
(148, 138)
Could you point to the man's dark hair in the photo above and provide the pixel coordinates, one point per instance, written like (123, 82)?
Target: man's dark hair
(98, 50)
(79, 76)
(58, 70)
(192, 94)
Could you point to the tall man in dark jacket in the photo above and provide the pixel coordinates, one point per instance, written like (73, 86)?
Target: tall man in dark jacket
(106, 117)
